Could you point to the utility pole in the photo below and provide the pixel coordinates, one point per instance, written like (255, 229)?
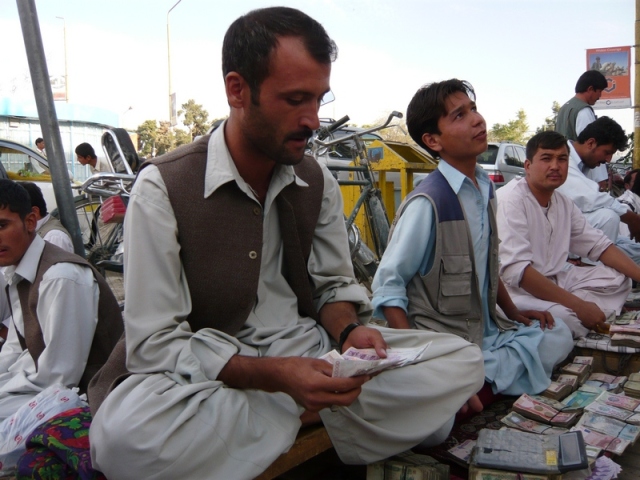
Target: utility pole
(49, 120)
(169, 63)
(66, 70)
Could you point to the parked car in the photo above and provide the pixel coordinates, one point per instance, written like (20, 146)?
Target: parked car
(503, 162)
(21, 163)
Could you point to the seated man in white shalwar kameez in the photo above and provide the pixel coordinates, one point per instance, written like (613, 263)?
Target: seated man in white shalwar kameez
(440, 269)
(539, 226)
(595, 146)
(65, 319)
(238, 277)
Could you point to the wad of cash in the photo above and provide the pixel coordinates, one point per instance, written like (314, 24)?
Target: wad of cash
(365, 361)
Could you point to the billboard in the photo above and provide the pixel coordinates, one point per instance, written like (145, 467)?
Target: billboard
(614, 63)
(58, 87)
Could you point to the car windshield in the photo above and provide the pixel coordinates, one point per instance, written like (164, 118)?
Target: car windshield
(488, 157)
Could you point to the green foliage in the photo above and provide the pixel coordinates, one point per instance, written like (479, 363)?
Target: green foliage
(514, 131)
(628, 157)
(550, 122)
(157, 138)
(195, 118)
(147, 132)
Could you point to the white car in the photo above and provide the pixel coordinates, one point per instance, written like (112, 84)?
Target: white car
(503, 162)
(21, 163)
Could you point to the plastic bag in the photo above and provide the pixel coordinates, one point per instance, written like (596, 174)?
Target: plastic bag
(15, 429)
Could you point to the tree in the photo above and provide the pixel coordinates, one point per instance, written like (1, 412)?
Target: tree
(550, 122)
(514, 131)
(195, 118)
(154, 139)
(147, 132)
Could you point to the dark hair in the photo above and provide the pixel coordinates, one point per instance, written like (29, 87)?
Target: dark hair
(605, 131)
(249, 41)
(85, 150)
(39, 139)
(627, 177)
(428, 106)
(14, 197)
(548, 139)
(37, 199)
(591, 78)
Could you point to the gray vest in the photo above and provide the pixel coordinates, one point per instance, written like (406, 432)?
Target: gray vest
(448, 298)
(567, 116)
(51, 224)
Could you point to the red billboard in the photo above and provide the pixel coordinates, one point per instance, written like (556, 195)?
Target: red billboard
(614, 63)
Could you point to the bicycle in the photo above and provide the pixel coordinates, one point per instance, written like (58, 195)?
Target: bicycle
(365, 261)
(103, 241)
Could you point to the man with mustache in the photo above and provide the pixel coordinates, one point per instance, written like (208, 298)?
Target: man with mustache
(595, 146)
(238, 277)
(440, 269)
(539, 226)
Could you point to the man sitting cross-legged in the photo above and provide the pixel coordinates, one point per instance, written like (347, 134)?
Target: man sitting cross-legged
(65, 322)
(539, 226)
(238, 278)
(440, 270)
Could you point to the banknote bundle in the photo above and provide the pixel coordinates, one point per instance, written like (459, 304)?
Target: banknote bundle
(479, 473)
(602, 441)
(364, 361)
(557, 390)
(581, 370)
(582, 397)
(517, 421)
(568, 379)
(632, 387)
(542, 412)
(408, 466)
(610, 383)
(623, 433)
(626, 331)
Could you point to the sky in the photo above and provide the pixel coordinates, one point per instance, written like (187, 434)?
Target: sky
(518, 54)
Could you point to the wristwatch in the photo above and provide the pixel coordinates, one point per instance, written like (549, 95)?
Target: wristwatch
(345, 333)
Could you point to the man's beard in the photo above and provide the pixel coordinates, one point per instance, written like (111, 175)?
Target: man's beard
(263, 137)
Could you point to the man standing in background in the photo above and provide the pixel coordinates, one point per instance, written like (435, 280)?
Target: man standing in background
(577, 113)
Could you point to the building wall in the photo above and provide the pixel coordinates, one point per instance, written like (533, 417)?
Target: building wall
(19, 122)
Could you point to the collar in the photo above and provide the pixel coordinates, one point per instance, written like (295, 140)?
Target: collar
(28, 266)
(42, 221)
(221, 168)
(575, 159)
(456, 178)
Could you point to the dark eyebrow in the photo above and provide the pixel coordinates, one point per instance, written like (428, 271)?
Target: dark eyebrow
(455, 111)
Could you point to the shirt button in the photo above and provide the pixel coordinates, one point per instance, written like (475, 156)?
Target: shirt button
(256, 210)
(253, 255)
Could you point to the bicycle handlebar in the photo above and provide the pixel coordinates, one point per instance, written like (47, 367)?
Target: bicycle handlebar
(319, 141)
(324, 132)
(113, 183)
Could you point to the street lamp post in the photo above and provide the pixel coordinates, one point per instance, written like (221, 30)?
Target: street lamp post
(66, 72)
(169, 63)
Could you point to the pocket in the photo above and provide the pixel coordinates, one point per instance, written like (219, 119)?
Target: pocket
(455, 285)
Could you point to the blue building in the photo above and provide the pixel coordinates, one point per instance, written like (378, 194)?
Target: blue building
(19, 122)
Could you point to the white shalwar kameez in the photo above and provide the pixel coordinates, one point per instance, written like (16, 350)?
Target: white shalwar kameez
(68, 314)
(601, 210)
(174, 419)
(542, 237)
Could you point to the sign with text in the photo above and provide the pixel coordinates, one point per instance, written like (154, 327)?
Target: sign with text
(614, 63)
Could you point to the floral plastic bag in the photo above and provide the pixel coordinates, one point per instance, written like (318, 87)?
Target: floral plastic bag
(15, 429)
